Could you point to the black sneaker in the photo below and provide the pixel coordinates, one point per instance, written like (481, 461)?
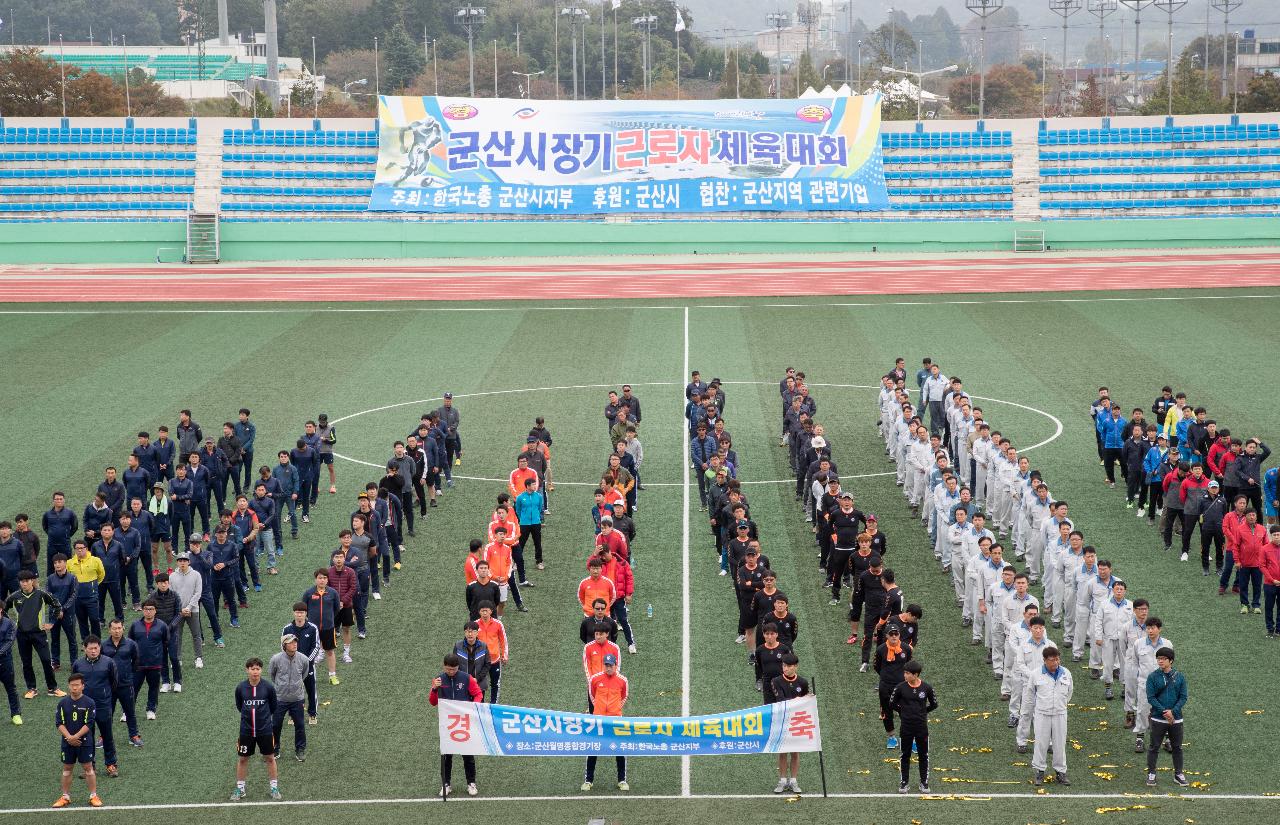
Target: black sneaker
(300, 754)
(904, 788)
(1181, 779)
(924, 787)
(1062, 779)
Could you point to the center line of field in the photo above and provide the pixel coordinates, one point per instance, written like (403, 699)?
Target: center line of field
(685, 764)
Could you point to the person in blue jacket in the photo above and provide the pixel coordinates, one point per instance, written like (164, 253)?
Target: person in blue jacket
(245, 521)
(1113, 429)
(311, 437)
(286, 476)
(1167, 694)
(10, 560)
(701, 448)
(224, 558)
(152, 638)
(304, 458)
(113, 492)
(125, 653)
(112, 553)
(96, 514)
(100, 678)
(181, 495)
(62, 585)
(9, 635)
(130, 539)
(164, 450)
(201, 486)
(264, 507)
(202, 563)
(1152, 491)
(215, 461)
(246, 431)
(147, 455)
(137, 481)
(60, 525)
(141, 520)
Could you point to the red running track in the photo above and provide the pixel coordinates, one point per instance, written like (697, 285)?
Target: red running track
(537, 280)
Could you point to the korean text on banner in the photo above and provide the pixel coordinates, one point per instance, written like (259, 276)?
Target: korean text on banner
(465, 155)
(502, 730)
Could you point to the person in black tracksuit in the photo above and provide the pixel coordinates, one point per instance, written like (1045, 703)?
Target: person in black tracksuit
(769, 658)
(891, 658)
(859, 563)
(1132, 454)
(913, 700)
(827, 507)
(750, 580)
(845, 524)
(1212, 510)
(874, 598)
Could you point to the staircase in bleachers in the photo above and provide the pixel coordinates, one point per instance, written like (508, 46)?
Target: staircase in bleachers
(1164, 170)
(72, 173)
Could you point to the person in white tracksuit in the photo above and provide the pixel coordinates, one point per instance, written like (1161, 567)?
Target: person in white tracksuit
(919, 462)
(1143, 654)
(993, 579)
(1084, 575)
(1110, 620)
(981, 459)
(1013, 612)
(1134, 632)
(1049, 535)
(1036, 511)
(1008, 480)
(958, 539)
(995, 461)
(1099, 594)
(1054, 553)
(945, 498)
(1030, 658)
(997, 622)
(975, 582)
(1045, 699)
(1068, 564)
(1020, 489)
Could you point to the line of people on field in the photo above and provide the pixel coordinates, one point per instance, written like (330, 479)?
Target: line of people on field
(1186, 470)
(955, 472)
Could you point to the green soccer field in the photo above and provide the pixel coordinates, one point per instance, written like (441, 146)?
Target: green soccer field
(83, 383)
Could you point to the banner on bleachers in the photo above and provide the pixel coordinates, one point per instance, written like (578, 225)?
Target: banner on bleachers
(478, 155)
(480, 729)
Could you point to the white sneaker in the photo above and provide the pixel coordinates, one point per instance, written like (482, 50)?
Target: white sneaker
(377, 597)
(794, 786)
(151, 715)
(741, 638)
(199, 663)
(472, 790)
(781, 786)
(124, 718)
(862, 668)
(177, 687)
(724, 572)
(1183, 557)
(631, 648)
(346, 658)
(1141, 512)
(165, 688)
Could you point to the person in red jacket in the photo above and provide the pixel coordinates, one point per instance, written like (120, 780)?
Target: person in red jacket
(1220, 454)
(1191, 493)
(1271, 578)
(616, 542)
(344, 582)
(1232, 524)
(460, 687)
(616, 569)
(1251, 545)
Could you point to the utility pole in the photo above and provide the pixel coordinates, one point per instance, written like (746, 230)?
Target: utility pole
(128, 103)
(1169, 7)
(1226, 7)
(1137, 6)
(984, 9)
(471, 18)
(778, 21)
(1063, 8)
(576, 16)
(1100, 9)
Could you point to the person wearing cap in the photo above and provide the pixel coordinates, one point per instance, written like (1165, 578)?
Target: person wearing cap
(608, 694)
(891, 656)
(224, 556)
(328, 435)
(161, 526)
(845, 525)
(449, 422)
(1213, 510)
(457, 685)
(1167, 695)
(288, 671)
(625, 525)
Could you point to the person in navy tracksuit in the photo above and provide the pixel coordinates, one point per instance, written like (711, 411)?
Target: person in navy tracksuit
(201, 479)
(112, 554)
(308, 636)
(60, 525)
(131, 539)
(311, 437)
(247, 432)
(125, 653)
(62, 585)
(264, 507)
(202, 563)
(257, 703)
(137, 481)
(101, 676)
(224, 558)
(152, 638)
(10, 560)
(145, 523)
(96, 514)
(147, 456)
(181, 495)
(305, 459)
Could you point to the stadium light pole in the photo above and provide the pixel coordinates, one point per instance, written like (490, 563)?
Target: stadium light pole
(1100, 9)
(128, 103)
(779, 21)
(1044, 78)
(645, 22)
(984, 9)
(1137, 6)
(1063, 8)
(377, 74)
(528, 81)
(576, 16)
(471, 18)
(1226, 7)
(1235, 96)
(1169, 7)
(315, 95)
(495, 68)
(919, 76)
(435, 67)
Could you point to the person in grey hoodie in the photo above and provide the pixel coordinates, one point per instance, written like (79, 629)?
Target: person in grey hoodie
(188, 585)
(287, 670)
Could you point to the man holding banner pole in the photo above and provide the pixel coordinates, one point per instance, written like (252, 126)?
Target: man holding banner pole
(459, 686)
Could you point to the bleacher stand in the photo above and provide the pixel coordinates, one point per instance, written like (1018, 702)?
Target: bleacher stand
(295, 173)
(73, 173)
(966, 175)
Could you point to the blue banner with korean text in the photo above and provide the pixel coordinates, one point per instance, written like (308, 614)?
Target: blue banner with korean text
(547, 157)
(479, 729)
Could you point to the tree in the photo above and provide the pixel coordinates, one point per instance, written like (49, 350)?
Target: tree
(304, 93)
(808, 76)
(261, 105)
(1189, 94)
(1091, 103)
(404, 59)
(1262, 94)
(93, 95)
(890, 45)
(148, 99)
(29, 84)
(731, 82)
(1012, 91)
(348, 66)
(751, 86)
